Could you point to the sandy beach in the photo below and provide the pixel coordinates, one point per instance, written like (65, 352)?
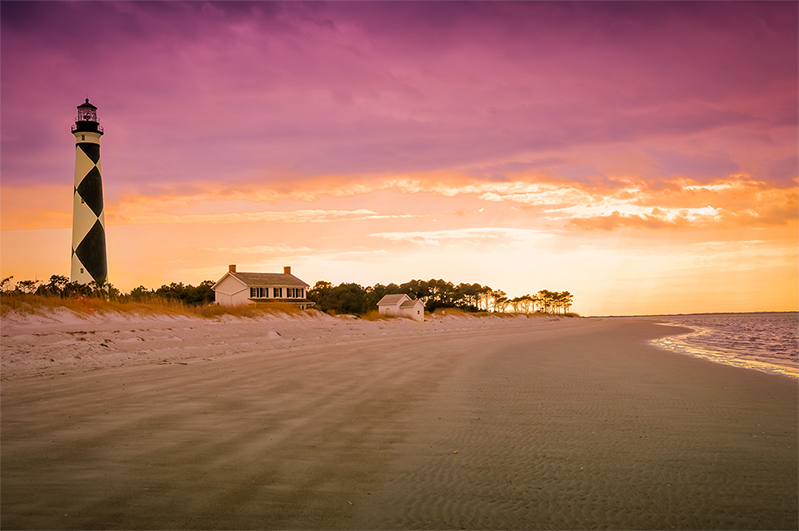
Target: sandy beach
(337, 423)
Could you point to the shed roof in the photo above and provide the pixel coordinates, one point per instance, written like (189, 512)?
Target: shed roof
(391, 300)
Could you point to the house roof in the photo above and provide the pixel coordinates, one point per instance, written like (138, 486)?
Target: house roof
(268, 279)
(410, 303)
(392, 300)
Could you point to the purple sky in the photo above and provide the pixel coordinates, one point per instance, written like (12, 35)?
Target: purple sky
(261, 91)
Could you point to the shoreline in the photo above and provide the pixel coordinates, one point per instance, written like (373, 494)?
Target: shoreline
(682, 348)
(722, 342)
(508, 423)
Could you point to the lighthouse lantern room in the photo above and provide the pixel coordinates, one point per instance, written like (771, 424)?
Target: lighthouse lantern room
(87, 119)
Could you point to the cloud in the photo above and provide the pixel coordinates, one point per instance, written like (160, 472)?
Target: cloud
(492, 235)
(287, 251)
(652, 220)
(684, 218)
(279, 249)
(288, 216)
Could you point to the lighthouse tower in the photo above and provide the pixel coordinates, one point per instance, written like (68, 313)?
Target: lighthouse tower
(89, 261)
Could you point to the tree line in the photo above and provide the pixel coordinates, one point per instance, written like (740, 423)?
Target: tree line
(60, 286)
(355, 299)
(346, 298)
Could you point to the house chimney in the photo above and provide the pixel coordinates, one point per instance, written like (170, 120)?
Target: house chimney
(286, 270)
(231, 268)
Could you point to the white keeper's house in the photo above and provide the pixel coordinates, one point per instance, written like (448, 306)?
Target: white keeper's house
(401, 305)
(253, 288)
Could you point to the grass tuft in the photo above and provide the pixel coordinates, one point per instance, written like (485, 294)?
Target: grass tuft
(374, 315)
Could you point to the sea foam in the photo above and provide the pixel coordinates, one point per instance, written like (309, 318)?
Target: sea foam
(766, 342)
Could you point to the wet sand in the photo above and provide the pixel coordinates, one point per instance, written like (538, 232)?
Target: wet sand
(522, 424)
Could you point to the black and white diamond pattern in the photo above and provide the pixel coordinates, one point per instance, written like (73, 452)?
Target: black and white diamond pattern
(88, 220)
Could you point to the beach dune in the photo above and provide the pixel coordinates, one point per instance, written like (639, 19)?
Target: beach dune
(448, 424)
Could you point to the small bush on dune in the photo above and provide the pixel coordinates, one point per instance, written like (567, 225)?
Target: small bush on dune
(374, 315)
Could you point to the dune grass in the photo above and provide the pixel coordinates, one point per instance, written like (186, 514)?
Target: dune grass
(41, 305)
(27, 304)
(453, 312)
(246, 310)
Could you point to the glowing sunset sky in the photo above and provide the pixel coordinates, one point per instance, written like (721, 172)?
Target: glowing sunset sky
(642, 156)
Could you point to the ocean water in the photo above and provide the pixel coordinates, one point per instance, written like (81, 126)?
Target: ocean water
(766, 342)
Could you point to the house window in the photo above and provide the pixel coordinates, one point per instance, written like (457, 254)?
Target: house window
(278, 292)
(294, 293)
(258, 293)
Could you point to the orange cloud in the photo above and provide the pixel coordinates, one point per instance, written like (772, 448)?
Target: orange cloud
(730, 204)
(734, 201)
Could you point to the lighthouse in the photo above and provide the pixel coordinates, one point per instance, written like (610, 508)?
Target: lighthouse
(89, 261)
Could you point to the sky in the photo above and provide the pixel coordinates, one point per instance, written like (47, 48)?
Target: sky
(641, 155)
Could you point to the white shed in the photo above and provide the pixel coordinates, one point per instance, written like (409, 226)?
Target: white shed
(251, 288)
(401, 305)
